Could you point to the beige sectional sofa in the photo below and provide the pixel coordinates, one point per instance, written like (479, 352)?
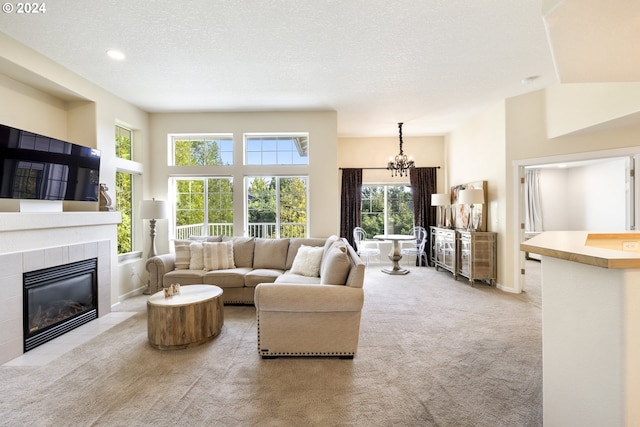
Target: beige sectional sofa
(254, 261)
(307, 292)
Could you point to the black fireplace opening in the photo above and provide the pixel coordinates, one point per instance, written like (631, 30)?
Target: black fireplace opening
(59, 299)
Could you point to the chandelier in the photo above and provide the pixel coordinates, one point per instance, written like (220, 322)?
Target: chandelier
(400, 164)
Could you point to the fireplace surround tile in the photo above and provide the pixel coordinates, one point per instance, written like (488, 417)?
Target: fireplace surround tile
(33, 260)
(13, 265)
(10, 308)
(55, 256)
(10, 264)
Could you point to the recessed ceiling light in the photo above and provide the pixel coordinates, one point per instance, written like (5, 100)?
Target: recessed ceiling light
(115, 54)
(528, 80)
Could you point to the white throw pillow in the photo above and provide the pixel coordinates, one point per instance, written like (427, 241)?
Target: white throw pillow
(183, 254)
(307, 261)
(197, 256)
(218, 256)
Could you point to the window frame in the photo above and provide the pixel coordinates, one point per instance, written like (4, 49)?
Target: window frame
(206, 225)
(123, 212)
(124, 129)
(279, 139)
(386, 214)
(277, 224)
(214, 137)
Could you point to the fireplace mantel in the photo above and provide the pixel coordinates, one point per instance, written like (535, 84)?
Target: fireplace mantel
(18, 221)
(24, 231)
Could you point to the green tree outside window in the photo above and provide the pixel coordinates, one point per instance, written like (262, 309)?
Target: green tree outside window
(124, 204)
(387, 209)
(277, 206)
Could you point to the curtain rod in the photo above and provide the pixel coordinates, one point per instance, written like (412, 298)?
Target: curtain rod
(381, 168)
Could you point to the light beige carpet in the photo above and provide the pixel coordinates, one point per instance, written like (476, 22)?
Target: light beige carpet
(433, 352)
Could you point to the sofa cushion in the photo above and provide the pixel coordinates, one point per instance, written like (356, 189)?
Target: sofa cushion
(197, 256)
(296, 242)
(218, 256)
(183, 277)
(307, 261)
(335, 269)
(229, 278)
(289, 277)
(242, 250)
(183, 254)
(261, 275)
(270, 253)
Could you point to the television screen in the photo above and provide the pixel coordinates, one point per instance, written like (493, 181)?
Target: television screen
(34, 166)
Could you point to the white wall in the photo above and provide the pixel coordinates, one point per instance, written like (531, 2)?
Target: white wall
(476, 152)
(426, 151)
(322, 170)
(41, 96)
(553, 199)
(590, 197)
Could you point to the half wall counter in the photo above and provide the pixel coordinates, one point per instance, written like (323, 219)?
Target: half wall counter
(590, 327)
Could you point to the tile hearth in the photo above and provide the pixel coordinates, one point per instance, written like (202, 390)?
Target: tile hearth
(55, 348)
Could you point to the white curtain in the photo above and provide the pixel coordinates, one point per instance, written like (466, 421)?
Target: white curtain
(532, 203)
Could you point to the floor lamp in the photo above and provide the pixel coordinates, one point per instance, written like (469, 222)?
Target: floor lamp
(471, 197)
(153, 210)
(441, 200)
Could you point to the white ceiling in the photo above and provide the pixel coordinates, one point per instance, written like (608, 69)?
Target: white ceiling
(428, 63)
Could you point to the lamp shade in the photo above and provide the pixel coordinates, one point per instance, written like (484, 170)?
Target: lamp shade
(472, 196)
(154, 209)
(440, 199)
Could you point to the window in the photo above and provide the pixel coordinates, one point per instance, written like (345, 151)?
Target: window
(204, 207)
(202, 150)
(277, 149)
(124, 204)
(276, 206)
(387, 209)
(124, 143)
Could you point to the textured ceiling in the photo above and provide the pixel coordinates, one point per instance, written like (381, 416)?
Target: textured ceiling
(428, 63)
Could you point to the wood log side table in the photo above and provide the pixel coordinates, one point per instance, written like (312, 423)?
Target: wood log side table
(191, 318)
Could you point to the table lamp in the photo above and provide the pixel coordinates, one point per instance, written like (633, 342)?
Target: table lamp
(471, 197)
(153, 210)
(441, 200)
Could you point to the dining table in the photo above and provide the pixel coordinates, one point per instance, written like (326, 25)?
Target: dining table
(395, 255)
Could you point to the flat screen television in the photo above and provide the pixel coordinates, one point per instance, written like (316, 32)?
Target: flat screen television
(38, 167)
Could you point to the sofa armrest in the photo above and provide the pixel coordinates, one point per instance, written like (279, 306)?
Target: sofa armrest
(288, 297)
(157, 267)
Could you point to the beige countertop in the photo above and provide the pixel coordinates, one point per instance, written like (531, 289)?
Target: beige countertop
(606, 250)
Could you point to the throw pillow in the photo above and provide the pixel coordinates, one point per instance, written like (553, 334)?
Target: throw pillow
(183, 254)
(206, 238)
(307, 261)
(327, 245)
(242, 250)
(197, 256)
(270, 253)
(336, 266)
(218, 256)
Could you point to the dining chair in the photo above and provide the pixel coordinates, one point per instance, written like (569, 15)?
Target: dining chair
(364, 249)
(417, 248)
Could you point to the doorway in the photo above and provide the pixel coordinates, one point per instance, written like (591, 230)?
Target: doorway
(589, 191)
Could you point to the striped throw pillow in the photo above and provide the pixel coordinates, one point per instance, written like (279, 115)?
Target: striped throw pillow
(218, 256)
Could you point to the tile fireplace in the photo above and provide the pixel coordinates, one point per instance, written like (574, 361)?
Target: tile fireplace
(43, 241)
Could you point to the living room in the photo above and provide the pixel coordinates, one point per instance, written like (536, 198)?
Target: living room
(596, 117)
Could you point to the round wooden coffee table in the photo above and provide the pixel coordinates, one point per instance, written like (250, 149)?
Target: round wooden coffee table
(191, 318)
